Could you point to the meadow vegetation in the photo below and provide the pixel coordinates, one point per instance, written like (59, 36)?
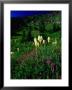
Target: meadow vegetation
(36, 48)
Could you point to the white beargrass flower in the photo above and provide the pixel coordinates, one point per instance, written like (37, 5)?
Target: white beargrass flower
(40, 38)
(11, 53)
(48, 39)
(18, 49)
(36, 42)
(43, 41)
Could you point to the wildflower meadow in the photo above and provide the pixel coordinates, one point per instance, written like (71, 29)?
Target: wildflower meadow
(36, 45)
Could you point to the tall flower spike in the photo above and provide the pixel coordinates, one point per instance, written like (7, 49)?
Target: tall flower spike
(43, 41)
(48, 39)
(36, 42)
(40, 38)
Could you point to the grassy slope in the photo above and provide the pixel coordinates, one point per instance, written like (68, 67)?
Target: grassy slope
(35, 67)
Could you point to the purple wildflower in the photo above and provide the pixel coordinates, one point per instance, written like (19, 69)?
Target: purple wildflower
(48, 62)
(53, 67)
